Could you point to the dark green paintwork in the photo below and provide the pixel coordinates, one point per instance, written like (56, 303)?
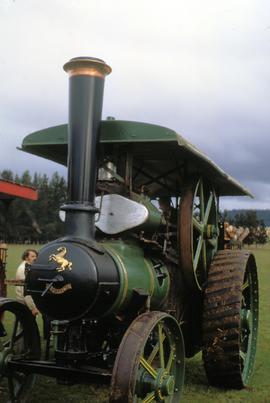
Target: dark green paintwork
(111, 131)
(162, 147)
(154, 219)
(136, 272)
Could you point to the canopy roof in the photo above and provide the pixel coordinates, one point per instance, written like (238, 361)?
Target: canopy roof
(158, 149)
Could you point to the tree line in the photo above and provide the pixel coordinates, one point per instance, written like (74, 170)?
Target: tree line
(261, 214)
(27, 221)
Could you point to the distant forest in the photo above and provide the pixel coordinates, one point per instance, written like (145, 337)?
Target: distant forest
(262, 215)
(26, 221)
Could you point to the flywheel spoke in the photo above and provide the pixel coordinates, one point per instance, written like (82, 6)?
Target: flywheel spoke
(198, 253)
(208, 209)
(197, 225)
(198, 232)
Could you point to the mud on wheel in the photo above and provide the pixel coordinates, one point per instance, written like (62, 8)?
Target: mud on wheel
(149, 365)
(231, 319)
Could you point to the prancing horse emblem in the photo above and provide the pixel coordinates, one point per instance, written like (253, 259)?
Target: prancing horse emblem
(59, 258)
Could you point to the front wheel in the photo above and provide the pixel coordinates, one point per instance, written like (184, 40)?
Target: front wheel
(149, 365)
(19, 339)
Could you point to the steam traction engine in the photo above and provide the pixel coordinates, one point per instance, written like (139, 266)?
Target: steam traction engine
(130, 289)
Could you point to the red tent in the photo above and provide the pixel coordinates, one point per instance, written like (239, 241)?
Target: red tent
(8, 192)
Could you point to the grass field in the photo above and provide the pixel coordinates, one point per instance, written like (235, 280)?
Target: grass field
(196, 387)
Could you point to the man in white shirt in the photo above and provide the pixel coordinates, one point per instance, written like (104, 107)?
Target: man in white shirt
(29, 256)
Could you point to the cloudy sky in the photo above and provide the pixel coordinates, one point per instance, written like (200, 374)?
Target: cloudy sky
(201, 68)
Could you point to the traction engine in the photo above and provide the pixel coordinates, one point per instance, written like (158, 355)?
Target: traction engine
(131, 288)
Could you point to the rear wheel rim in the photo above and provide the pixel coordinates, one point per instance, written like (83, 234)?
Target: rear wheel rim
(198, 232)
(249, 322)
(230, 325)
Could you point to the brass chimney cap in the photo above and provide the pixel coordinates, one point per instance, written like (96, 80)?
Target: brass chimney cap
(90, 66)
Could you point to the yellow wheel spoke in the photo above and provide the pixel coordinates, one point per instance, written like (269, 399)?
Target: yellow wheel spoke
(148, 367)
(170, 360)
(149, 398)
(161, 350)
(155, 350)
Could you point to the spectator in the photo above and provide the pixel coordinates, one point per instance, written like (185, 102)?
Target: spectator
(29, 257)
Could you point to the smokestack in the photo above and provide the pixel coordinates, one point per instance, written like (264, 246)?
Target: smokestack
(86, 85)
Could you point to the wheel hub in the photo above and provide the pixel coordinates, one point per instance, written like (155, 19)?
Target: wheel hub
(167, 385)
(163, 385)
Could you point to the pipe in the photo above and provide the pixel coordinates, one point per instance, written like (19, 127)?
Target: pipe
(86, 85)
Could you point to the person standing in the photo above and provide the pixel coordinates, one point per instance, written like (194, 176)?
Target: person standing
(29, 256)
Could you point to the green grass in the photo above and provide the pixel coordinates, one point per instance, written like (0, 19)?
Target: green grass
(196, 386)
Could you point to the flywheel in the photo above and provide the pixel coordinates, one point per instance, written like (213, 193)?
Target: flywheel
(198, 232)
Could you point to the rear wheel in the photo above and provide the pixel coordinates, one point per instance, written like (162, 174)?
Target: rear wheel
(231, 319)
